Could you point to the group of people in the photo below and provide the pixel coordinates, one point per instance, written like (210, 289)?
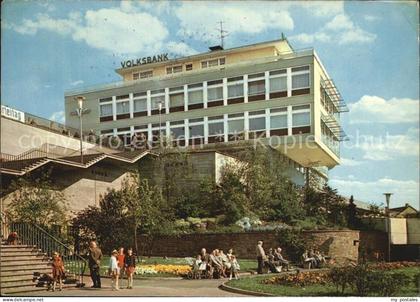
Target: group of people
(314, 258)
(273, 260)
(120, 263)
(217, 264)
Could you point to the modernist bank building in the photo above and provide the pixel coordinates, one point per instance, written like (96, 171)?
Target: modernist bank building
(265, 93)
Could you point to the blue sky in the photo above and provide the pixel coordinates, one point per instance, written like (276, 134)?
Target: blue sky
(370, 49)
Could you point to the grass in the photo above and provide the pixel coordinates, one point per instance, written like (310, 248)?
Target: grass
(255, 284)
(246, 265)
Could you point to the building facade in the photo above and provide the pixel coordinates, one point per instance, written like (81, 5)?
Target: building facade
(264, 93)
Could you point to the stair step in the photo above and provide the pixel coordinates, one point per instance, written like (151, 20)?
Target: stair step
(27, 289)
(17, 263)
(19, 257)
(18, 290)
(24, 267)
(25, 271)
(14, 284)
(14, 278)
(17, 249)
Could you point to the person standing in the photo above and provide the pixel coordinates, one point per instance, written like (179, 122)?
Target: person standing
(121, 262)
(57, 270)
(95, 256)
(130, 267)
(114, 270)
(260, 257)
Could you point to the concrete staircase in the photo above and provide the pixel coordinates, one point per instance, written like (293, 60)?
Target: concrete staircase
(18, 264)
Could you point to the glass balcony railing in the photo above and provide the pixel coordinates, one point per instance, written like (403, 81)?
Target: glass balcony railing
(332, 144)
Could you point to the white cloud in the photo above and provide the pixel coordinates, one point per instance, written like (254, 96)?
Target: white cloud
(75, 83)
(374, 109)
(323, 8)
(348, 162)
(198, 20)
(58, 116)
(114, 30)
(341, 29)
(180, 49)
(371, 18)
(372, 191)
(389, 146)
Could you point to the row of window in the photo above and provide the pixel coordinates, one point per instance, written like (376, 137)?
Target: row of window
(210, 94)
(329, 138)
(270, 122)
(180, 68)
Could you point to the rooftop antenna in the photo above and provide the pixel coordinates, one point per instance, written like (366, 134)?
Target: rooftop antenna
(222, 33)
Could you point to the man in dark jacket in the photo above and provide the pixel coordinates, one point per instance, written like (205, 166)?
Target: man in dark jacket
(95, 256)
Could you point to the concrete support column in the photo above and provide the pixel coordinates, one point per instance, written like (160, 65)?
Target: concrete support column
(149, 103)
(289, 82)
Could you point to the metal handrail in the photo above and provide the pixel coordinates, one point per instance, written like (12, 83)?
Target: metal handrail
(34, 235)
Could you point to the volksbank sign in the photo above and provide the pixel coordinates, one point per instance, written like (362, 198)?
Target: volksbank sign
(145, 60)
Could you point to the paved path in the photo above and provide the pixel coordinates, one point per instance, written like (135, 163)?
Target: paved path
(150, 287)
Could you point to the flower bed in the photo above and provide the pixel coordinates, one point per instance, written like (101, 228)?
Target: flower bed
(299, 279)
(178, 270)
(394, 265)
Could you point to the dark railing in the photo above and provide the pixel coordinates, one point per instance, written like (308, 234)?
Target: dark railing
(33, 235)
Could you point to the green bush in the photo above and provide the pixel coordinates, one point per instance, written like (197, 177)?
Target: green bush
(341, 277)
(293, 242)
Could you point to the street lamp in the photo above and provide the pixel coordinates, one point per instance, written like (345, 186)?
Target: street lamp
(388, 222)
(79, 112)
(160, 123)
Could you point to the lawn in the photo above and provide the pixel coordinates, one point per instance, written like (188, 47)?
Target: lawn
(255, 284)
(246, 265)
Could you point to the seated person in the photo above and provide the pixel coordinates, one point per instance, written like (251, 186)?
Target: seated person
(278, 257)
(216, 264)
(269, 261)
(225, 261)
(307, 259)
(196, 267)
(320, 259)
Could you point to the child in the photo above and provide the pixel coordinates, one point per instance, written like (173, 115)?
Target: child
(196, 267)
(234, 268)
(120, 260)
(114, 270)
(130, 267)
(57, 270)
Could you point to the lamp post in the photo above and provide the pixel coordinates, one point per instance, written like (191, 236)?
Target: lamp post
(388, 222)
(160, 123)
(79, 111)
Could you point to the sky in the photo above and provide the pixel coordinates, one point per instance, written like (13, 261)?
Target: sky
(370, 49)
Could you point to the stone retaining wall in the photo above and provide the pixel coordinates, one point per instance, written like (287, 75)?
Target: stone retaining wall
(338, 244)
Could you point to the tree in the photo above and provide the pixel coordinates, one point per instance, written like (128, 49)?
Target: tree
(37, 201)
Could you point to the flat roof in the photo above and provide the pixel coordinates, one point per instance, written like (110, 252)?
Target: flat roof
(204, 54)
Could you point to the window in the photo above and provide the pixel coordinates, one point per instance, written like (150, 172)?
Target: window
(256, 87)
(109, 99)
(235, 123)
(300, 80)
(301, 119)
(123, 107)
(195, 96)
(173, 69)
(178, 130)
(176, 99)
(196, 127)
(140, 105)
(157, 97)
(188, 67)
(213, 62)
(257, 120)
(278, 121)
(235, 87)
(105, 109)
(278, 84)
(143, 75)
(214, 90)
(216, 129)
